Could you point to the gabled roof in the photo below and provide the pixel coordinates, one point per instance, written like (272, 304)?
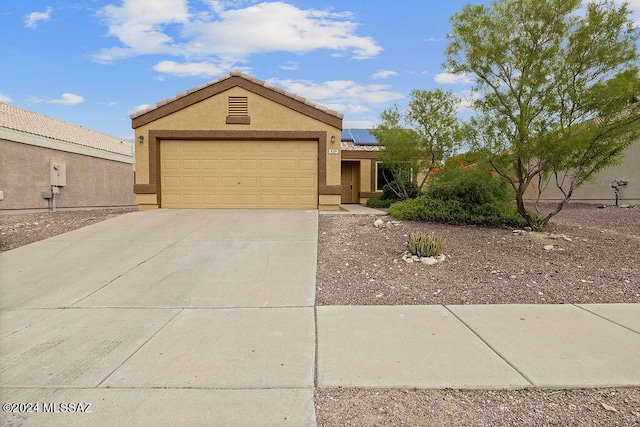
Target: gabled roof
(236, 78)
(21, 120)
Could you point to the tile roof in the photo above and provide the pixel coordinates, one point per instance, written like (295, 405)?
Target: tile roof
(19, 119)
(350, 146)
(237, 73)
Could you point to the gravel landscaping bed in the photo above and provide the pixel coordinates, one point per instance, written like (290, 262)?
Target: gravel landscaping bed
(592, 259)
(21, 229)
(360, 264)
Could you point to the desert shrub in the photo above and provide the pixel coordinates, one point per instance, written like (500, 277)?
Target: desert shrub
(470, 183)
(456, 212)
(377, 203)
(425, 245)
(464, 191)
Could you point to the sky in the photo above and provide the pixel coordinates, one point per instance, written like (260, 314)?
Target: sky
(95, 62)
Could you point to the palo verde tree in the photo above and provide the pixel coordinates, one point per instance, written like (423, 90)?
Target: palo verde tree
(416, 140)
(557, 86)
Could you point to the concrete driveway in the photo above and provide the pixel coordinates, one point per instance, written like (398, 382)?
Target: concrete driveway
(162, 318)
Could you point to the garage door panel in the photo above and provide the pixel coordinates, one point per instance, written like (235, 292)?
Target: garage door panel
(306, 182)
(229, 182)
(288, 165)
(307, 165)
(236, 174)
(229, 164)
(249, 165)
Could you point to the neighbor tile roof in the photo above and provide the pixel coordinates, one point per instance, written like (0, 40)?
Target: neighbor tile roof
(237, 73)
(19, 119)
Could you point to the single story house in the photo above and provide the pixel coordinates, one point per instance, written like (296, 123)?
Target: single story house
(238, 142)
(46, 163)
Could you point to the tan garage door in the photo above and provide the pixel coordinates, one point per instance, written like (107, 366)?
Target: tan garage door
(239, 174)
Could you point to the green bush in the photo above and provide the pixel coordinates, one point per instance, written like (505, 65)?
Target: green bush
(456, 212)
(470, 184)
(464, 191)
(378, 203)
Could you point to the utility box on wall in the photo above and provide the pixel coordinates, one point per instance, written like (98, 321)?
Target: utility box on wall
(58, 174)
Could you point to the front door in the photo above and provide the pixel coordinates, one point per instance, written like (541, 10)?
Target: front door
(350, 182)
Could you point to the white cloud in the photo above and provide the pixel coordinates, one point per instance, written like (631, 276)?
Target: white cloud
(139, 25)
(451, 79)
(345, 96)
(467, 98)
(139, 108)
(290, 66)
(384, 74)
(200, 69)
(5, 98)
(34, 100)
(229, 32)
(359, 124)
(32, 19)
(67, 99)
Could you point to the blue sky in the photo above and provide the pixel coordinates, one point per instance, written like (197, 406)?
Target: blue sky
(94, 62)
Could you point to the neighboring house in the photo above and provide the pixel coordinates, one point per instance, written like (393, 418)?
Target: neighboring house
(361, 170)
(237, 142)
(47, 163)
(626, 176)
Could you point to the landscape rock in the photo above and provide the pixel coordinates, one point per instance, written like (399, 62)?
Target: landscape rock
(429, 261)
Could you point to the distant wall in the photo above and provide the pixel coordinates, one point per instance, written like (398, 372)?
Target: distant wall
(601, 192)
(92, 182)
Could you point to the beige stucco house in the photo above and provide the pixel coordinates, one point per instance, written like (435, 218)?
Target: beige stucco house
(361, 168)
(47, 163)
(625, 176)
(238, 142)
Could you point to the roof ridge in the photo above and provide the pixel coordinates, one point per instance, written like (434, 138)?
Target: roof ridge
(27, 121)
(239, 73)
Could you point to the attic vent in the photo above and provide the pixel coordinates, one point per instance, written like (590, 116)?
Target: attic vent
(238, 106)
(238, 110)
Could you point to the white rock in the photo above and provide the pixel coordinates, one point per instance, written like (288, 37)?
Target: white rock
(378, 223)
(429, 260)
(409, 260)
(548, 248)
(441, 258)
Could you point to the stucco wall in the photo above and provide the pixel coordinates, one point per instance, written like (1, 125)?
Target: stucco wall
(91, 182)
(601, 192)
(266, 115)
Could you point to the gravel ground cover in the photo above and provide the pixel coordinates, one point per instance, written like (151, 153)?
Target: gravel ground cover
(593, 259)
(599, 264)
(21, 229)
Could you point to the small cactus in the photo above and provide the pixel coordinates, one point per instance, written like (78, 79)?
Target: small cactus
(425, 245)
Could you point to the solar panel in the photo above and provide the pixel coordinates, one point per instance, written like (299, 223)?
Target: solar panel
(359, 136)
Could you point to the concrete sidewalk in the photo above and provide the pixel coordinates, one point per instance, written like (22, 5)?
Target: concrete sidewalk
(479, 346)
(207, 317)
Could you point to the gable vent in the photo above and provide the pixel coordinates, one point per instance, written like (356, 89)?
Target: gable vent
(238, 106)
